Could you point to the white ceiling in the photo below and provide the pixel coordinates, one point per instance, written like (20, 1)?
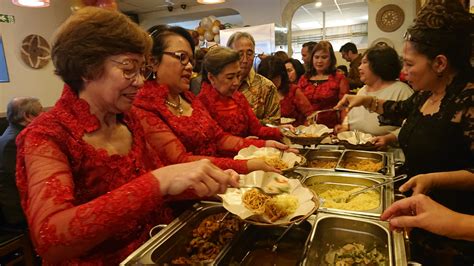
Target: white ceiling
(306, 17)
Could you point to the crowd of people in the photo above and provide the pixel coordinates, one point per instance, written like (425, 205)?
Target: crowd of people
(128, 137)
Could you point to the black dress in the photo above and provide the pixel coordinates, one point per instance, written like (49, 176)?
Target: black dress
(440, 142)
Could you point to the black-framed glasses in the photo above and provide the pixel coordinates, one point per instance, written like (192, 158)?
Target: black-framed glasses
(131, 69)
(183, 58)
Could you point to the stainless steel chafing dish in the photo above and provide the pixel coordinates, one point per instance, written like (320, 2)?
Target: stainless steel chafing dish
(170, 242)
(332, 230)
(317, 156)
(386, 160)
(319, 180)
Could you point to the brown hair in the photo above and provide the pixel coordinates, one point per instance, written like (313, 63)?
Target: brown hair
(217, 59)
(88, 37)
(324, 46)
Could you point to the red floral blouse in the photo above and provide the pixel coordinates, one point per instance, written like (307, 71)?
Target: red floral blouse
(199, 133)
(295, 105)
(325, 95)
(81, 202)
(234, 114)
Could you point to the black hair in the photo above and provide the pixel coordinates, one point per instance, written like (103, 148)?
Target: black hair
(271, 67)
(349, 47)
(384, 62)
(299, 68)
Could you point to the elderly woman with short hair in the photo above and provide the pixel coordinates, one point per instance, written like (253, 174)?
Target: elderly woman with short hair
(225, 103)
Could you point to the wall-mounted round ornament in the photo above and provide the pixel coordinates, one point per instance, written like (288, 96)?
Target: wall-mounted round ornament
(35, 51)
(390, 18)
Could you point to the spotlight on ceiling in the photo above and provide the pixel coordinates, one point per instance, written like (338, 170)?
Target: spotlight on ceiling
(318, 4)
(210, 2)
(31, 3)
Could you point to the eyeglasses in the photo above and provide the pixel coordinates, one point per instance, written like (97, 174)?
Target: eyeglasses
(184, 58)
(132, 69)
(248, 54)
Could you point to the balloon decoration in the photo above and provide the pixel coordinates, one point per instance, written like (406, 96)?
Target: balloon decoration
(78, 4)
(208, 30)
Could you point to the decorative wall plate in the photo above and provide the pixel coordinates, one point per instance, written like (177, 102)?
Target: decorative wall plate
(35, 51)
(390, 18)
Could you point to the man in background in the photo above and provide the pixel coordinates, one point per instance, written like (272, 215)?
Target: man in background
(350, 54)
(260, 92)
(306, 52)
(20, 112)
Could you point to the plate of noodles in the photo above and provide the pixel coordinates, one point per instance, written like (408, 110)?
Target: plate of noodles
(308, 135)
(296, 202)
(273, 157)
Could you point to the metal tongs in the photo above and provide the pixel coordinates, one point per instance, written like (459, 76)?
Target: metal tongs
(275, 244)
(314, 116)
(264, 191)
(353, 194)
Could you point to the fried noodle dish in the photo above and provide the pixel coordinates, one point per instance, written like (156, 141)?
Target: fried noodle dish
(363, 165)
(273, 208)
(276, 162)
(325, 164)
(209, 238)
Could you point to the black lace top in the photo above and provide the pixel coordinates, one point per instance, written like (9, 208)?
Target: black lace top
(440, 142)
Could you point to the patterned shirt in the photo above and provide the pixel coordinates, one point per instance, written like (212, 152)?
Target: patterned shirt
(262, 95)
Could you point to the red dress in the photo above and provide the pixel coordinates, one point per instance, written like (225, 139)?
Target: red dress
(295, 105)
(325, 96)
(199, 133)
(234, 114)
(79, 201)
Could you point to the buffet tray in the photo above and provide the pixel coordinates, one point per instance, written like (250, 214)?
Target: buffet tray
(317, 180)
(333, 230)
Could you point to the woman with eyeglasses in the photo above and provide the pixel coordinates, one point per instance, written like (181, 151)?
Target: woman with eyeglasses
(437, 134)
(167, 97)
(90, 188)
(323, 86)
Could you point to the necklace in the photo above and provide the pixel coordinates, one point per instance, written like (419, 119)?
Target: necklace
(176, 106)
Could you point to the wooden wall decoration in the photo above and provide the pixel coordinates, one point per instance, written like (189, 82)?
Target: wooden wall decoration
(389, 18)
(35, 51)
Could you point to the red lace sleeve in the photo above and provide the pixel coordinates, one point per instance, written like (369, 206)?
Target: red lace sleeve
(170, 149)
(302, 103)
(62, 226)
(256, 128)
(343, 86)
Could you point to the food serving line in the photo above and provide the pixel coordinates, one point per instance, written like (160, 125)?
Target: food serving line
(315, 240)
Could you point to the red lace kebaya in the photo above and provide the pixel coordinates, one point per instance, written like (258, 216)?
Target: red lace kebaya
(325, 95)
(234, 114)
(295, 105)
(199, 133)
(80, 201)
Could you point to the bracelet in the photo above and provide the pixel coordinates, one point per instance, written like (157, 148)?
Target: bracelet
(374, 104)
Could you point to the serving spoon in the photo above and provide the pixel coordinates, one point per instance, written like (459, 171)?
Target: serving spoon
(353, 194)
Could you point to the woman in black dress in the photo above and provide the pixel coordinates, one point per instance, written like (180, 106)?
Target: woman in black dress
(437, 135)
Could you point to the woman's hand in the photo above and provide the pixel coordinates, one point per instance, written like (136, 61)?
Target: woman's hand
(260, 164)
(383, 141)
(202, 176)
(341, 128)
(350, 101)
(420, 184)
(422, 212)
(251, 137)
(280, 146)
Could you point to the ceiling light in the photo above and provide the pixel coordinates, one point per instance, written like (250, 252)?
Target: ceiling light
(31, 3)
(318, 4)
(210, 2)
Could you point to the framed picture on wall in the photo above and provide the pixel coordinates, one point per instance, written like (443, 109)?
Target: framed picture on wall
(3, 64)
